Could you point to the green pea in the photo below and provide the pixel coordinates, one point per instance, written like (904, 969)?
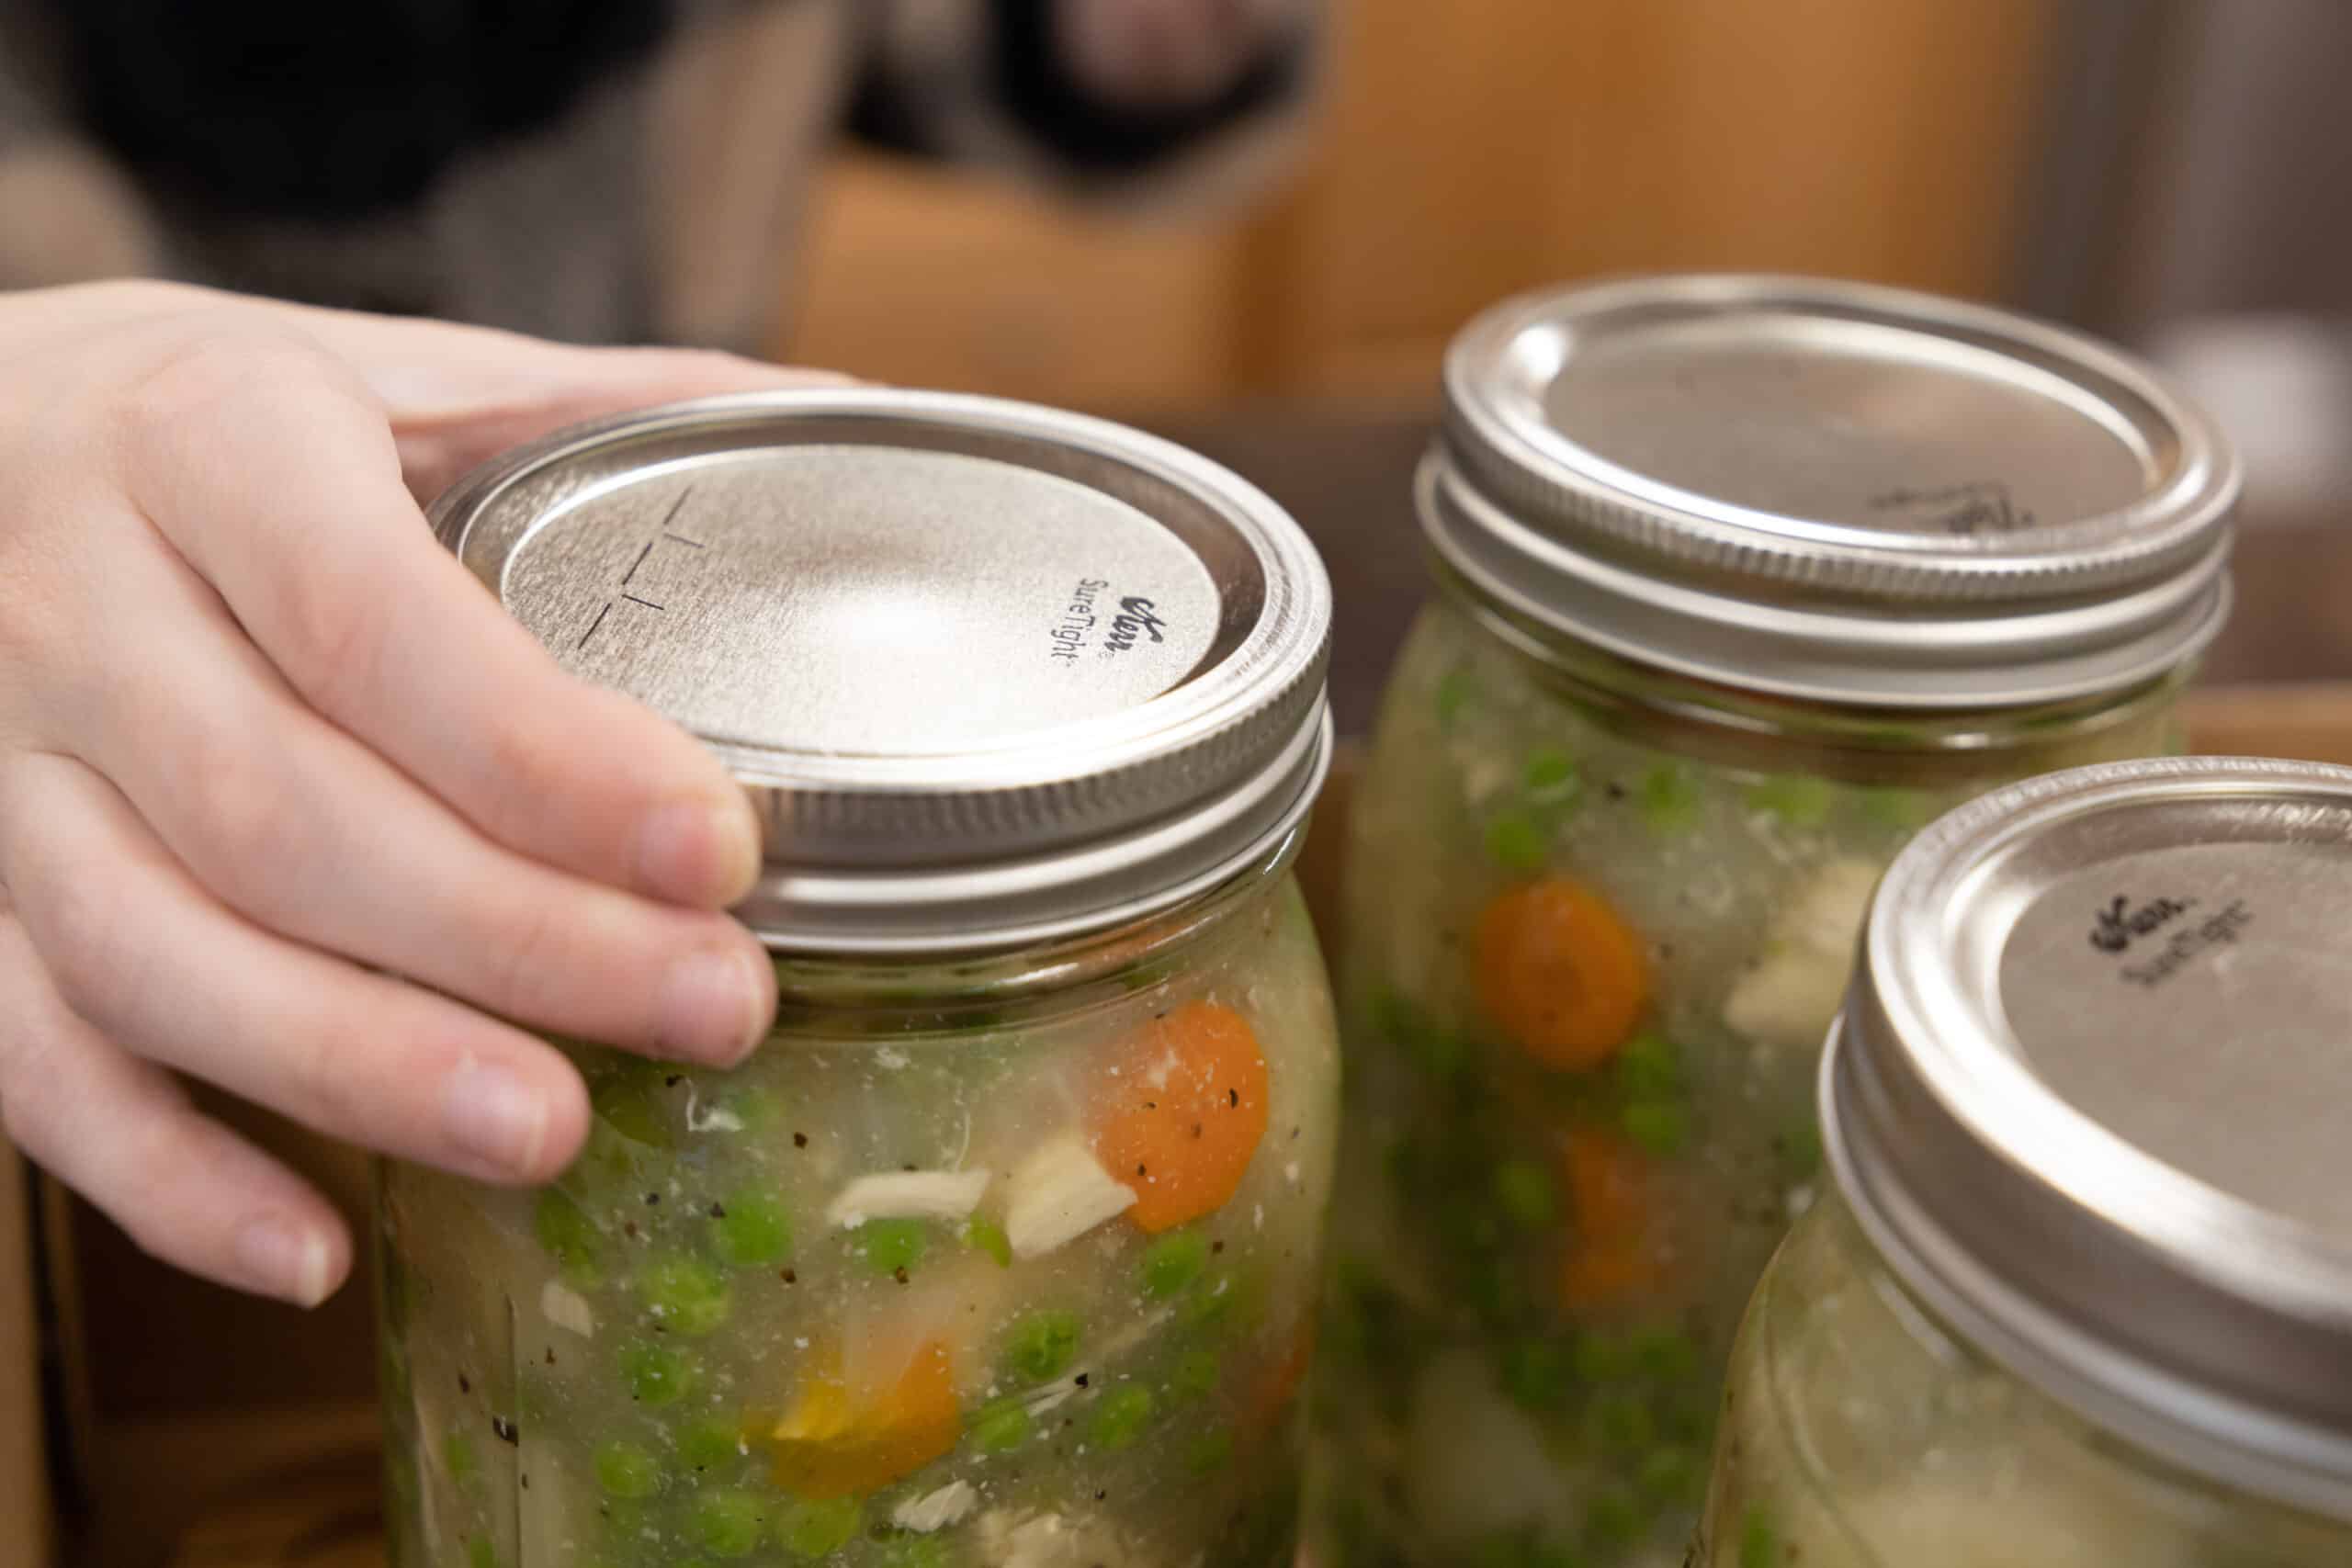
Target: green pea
(1760, 1543)
(1613, 1519)
(1504, 1550)
(657, 1375)
(709, 1443)
(987, 1236)
(1659, 1128)
(1041, 1346)
(1668, 795)
(756, 1108)
(1799, 1148)
(1120, 1419)
(567, 1234)
(889, 1245)
(753, 1230)
(820, 1529)
(1523, 1191)
(1002, 1426)
(1213, 1303)
(1621, 1422)
(726, 1521)
(1599, 1358)
(1173, 1262)
(1209, 1452)
(1798, 801)
(1666, 1354)
(1904, 811)
(1455, 691)
(480, 1553)
(1668, 1475)
(626, 1470)
(1401, 1020)
(1551, 778)
(631, 1103)
(1535, 1374)
(460, 1460)
(1515, 843)
(1196, 1376)
(686, 1294)
(912, 1551)
(1649, 1066)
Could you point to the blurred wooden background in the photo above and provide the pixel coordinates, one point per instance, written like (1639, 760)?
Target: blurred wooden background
(1470, 149)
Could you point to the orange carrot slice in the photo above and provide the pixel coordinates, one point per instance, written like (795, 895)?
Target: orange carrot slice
(836, 1441)
(1619, 1251)
(1562, 974)
(1280, 1384)
(1184, 1114)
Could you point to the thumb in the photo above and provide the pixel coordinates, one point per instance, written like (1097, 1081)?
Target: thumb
(459, 395)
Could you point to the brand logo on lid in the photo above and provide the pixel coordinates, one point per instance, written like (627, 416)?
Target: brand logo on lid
(1134, 619)
(1983, 506)
(2114, 928)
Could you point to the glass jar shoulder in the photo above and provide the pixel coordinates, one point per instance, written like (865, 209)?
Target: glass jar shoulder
(1858, 1433)
(891, 1293)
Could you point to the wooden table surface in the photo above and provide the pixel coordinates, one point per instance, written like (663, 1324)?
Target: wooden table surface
(295, 1489)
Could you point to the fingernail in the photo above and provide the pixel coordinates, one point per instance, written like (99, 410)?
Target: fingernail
(493, 1115)
(285, 1260)
(699, 852)
(711, 1005)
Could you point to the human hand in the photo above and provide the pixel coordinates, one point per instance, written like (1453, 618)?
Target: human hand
(1163, 54)
(265, 744)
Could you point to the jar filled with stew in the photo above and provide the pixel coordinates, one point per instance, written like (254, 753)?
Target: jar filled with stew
(1000, 1252)
(2080, 1294)
(1742, 580)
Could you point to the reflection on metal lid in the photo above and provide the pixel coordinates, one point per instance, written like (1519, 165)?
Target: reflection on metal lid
(1776, 481)
(992, 673)
(2089, 1097)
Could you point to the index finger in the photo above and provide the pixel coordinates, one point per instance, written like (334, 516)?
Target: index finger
(276, 474)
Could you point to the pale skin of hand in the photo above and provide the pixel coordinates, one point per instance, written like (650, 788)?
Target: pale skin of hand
(264, 744)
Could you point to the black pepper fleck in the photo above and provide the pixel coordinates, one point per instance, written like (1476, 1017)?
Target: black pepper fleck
(1099, 1495)
(465, 1384)
(1081, 1380)
(652, 1199)
(1216, 1247)
(674, 1080)
(527, 1481)
(1196, 1130)
(550, 1355)
(899, 1273)
(628, 1229)
(799, 1139)
(1233, 1098)
(791, 1278)
(718, 1210)
(1614, 790)
(506, 1431)
(1139, 1170)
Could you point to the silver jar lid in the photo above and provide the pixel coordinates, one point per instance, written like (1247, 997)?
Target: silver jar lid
(2091, 1097)
(991, 673)
(1831, 491)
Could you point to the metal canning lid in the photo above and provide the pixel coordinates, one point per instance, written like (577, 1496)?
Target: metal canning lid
(2089, 1099)
(1831, 491)
(992, 673)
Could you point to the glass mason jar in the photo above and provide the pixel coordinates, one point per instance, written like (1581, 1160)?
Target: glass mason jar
(2079, 1294)
(1742, 582)
(1001, 1250)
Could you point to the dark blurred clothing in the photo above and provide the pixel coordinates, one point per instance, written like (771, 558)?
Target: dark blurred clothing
(604, 170)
